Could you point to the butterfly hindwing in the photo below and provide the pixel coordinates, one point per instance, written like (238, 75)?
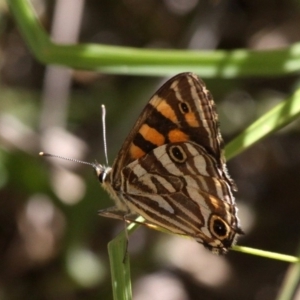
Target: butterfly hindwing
(179, 187)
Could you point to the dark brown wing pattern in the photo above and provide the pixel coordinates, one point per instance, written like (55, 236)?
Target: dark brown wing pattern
(171, 169)
(181, 110)
(179, 187)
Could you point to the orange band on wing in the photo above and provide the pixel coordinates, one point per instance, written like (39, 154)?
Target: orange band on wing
(177, 135)
(152, 135)
(191, 119)
(164, 108)
(136, 152)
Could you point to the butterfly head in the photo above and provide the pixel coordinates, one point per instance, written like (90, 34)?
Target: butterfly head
(102, 172)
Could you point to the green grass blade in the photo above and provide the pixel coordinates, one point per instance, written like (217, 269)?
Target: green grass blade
(267, 254)
(36, 37)
(273, 120)
(290, 282)
(120, 60)
(120, 268)
(120, 265)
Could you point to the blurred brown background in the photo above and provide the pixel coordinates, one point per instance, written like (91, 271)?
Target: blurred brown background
(52, 243)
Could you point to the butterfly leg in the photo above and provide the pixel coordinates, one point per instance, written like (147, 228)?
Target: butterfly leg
(113, 212)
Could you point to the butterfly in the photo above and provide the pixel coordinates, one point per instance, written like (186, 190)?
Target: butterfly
(171, 169)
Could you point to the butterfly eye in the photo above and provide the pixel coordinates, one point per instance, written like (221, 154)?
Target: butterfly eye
(102, 172)
(101, 177)
(177, 154)
(218, 227)
(184, 107)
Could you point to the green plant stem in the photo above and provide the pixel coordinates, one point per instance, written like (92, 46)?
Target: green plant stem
(267, 254)
(290, 282)
(119, 264)
(119, 60)
(120, 268)
(276, 118)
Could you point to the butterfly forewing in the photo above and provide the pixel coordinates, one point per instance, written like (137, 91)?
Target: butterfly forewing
(181, 110)
(171, 168)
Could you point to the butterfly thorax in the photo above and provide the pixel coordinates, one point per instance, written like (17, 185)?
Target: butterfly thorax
(104, 175)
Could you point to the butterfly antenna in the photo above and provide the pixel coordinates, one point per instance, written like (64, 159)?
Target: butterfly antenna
(66, 158)
(104, 132)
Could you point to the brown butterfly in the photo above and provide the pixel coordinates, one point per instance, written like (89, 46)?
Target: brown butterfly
(171, 169)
